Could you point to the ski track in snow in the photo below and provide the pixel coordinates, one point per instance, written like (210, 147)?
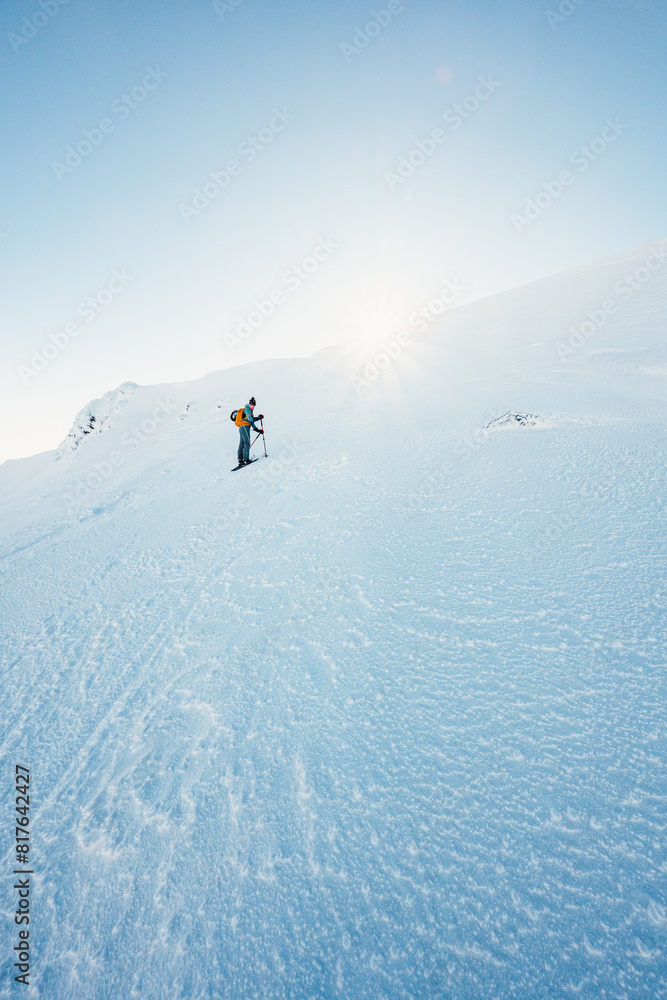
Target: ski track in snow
(389, 750)
(336, 744)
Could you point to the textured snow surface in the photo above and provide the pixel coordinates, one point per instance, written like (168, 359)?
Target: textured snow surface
(384, 715)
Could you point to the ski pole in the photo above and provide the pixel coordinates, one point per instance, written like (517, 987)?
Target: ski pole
(263, 438)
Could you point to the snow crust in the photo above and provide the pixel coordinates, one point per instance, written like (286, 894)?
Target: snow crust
(383, 715)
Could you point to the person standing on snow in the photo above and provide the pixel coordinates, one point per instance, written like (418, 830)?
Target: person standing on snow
(244, 421)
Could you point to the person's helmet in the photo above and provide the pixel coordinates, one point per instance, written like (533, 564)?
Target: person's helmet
(251, 401)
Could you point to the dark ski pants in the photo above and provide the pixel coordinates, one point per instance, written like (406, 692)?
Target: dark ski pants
(244, 444)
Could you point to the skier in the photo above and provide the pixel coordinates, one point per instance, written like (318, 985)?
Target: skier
(244, 421)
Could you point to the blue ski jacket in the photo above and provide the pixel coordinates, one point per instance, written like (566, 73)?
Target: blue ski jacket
(247, 415)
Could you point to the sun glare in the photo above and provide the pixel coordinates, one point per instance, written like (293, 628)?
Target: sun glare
(372, 314)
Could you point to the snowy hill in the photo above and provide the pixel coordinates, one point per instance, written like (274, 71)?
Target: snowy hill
(384, 715)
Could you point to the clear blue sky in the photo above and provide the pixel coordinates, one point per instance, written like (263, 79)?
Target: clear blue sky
(347, 117)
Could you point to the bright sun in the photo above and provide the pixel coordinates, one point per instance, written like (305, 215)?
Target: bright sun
(371, 314)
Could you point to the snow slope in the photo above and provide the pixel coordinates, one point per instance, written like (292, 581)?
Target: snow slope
(384, 715)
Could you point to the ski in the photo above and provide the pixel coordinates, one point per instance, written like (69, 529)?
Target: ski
(244, 466)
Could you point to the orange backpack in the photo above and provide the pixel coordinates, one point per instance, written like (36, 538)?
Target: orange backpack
(237, 417)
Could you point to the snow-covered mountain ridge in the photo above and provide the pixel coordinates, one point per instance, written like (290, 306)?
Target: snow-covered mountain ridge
(94, 416)
(537, 335)
(382, 715)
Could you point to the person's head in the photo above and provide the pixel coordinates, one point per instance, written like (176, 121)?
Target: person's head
(252, 402)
